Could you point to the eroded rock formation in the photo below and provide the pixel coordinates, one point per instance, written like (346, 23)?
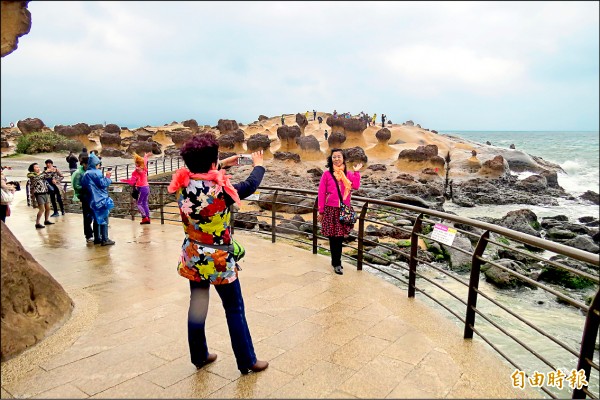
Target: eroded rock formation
(288, 135)
(30, 125)
(34, 304)
(16, 22)
(226, 126)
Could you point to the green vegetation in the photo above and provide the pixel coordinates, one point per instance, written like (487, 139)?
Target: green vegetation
(504, 240)
(45, 142)
(403, 243)
(426, 229)
(535, 225)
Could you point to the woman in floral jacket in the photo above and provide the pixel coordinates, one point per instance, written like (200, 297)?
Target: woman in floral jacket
(204, 196)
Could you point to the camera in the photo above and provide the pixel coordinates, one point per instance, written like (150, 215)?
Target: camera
(244, 159)
(109, 169)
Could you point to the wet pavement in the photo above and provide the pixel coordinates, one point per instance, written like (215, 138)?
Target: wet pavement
(324, 335)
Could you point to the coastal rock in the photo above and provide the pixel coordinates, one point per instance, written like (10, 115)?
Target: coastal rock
(262, 117)
(383, 135)
(336, 140)
(258, 142)
(422, 153)
(284, 156)
(30, 125)
(112, 128)
(591, 196)
(192, 124)
(34, 304)
(171, 151)
(356, 155)
(309, 143)
(407, 199)
(293, 204)
(377, 167)
(503, 279)
(112, 152)
(144, 147)
(108, 139)
(180, 137)
(497, 167)
(459, 261)
(533, 183)
(245, 221)
(66, 130)
(409, 123)
(232, 141)
(288, 135)
(559, 276)
(522, 220)
(584, 243)
(226, 126)
(302, 122)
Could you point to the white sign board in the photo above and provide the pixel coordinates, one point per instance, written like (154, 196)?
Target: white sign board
(254, 196)
(443, 234)
(117, 189)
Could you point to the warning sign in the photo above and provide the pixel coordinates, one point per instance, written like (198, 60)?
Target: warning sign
(443, 234)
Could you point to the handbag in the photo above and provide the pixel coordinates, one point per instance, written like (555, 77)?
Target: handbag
(347, 213)
(7, 196)
(135, 192)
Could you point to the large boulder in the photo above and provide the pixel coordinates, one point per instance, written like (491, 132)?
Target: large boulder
(533, 183)
(112, 128)
(523, 220)
(383, 135)
(110, 139)
(232, 141)
(112, 152)
(293, 204)
(180, 137)
(288, 135)
(80, 129)
(34, 304)
(502, 279)
(309, 143)
(16, 22)
(336, 140)
(192, 124)
(140, 147)
(227, 126)
(258, 142)
(497, 167)
(356, 155)
(420, 158)
(284, 156)
(30, 125)
(143, 134)
(591, 196)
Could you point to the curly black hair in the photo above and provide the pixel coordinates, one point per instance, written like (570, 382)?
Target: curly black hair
(200, 152)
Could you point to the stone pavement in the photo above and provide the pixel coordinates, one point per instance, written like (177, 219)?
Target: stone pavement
(324, 335)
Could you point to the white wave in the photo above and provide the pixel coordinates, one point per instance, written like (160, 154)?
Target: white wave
(573, 166)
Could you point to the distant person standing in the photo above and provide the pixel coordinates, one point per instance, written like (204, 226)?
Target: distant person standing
(282, 119)
(90, 226)
(326, 134)
(306, 115)
(320, 120)
(139, 178)
(54, 179)
(335, 114)
(314, 115)
(383, 120)
(72, 161)
(374, 119)
(84, 152)
(96, 187)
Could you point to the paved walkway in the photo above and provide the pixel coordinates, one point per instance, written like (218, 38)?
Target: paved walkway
(324, 335)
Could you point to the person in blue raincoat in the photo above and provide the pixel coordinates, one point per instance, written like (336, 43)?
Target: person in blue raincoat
(96, 187)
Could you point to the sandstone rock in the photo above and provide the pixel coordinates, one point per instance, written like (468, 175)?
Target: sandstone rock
(171, 151)
(192, 124)
(496, 166)
(112, 128)
(336, 139)
(409, 123)
(34, 304)
(144, 147)
(503, 279)
(245, 221)
(309, 143)
(67, 130)
(383, 135)
(258, 142)
(407, 199)
(356, 155)
(262, 118)
(523, 220)
(288, 135)
(30, 125)
(16, 22)
(533, 183)
(302, 122)
(180, 137)
(377, 167)
(227, 126)
(551, 178)
(283, 156)
(232, 141)
(110, 139)
(143, 134)
(112, 152)
(293, 204)
(96, 127)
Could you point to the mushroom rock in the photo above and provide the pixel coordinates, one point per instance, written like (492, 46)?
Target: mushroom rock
(354, 128)
(336, 124)
(286, 156)
(382, 149)
(77, 132)
(226, 126)
(30, 125)
(420, 158)
(355, 155)
(258, 142)
(16, 22)
(429, 175)
(336, 140)
(171, 151)
(66, 130)
(409, 123)
(34, 304)
(143, 134)
(96, 127)
(310, 148)
(287, 136)
(112, 152)
(192, 124)
(473, 163)
(262, 117)
(112, 128)
(496, 167)
(233, 141)
(180, 137)
(302, 122)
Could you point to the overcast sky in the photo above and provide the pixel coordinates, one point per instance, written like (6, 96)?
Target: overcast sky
(445, 65)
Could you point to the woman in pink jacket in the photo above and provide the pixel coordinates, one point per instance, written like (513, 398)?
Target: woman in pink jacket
(329, 203)
(139, 178)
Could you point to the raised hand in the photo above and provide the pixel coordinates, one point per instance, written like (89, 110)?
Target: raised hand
(357, 167)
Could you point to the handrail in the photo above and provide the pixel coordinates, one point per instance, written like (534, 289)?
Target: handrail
(422, 218)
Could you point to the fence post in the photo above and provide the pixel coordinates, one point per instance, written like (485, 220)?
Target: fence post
(588, 340)
(161, 199)
(116, 173)
(414, 247)
(127, 171)
(273, 217)
(177, 162)
(474, 284)
(361, 234)
(171, 159)
(314, 227)
(155, 167)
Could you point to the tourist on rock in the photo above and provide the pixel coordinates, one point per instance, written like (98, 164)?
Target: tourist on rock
(314, 115)
(383, 120)
(139, 179)
(72, 161)
(209, 255)
(306, 115)
(38, 186)
(374, 119)
(96, 187)
(54, 187)
(320, 120)
(335, 114)
(282, 119)
(326, 134)
(336, 179)
(90, 226)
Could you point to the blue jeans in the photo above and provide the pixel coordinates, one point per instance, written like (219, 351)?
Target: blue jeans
(233, 303)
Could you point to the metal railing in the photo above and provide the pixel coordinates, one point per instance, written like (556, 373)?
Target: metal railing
(410, 266)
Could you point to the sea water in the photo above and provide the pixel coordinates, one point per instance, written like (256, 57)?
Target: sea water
(576, 152)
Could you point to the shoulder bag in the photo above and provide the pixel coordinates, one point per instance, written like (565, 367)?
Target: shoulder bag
(347, 213)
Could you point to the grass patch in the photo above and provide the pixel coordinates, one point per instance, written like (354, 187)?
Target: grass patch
(45, 142)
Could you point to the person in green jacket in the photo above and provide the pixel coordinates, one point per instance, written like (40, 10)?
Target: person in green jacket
(90, 226)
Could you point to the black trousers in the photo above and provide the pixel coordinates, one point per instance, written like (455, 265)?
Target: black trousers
(89, 221)
(335, 246)
(54, 196)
